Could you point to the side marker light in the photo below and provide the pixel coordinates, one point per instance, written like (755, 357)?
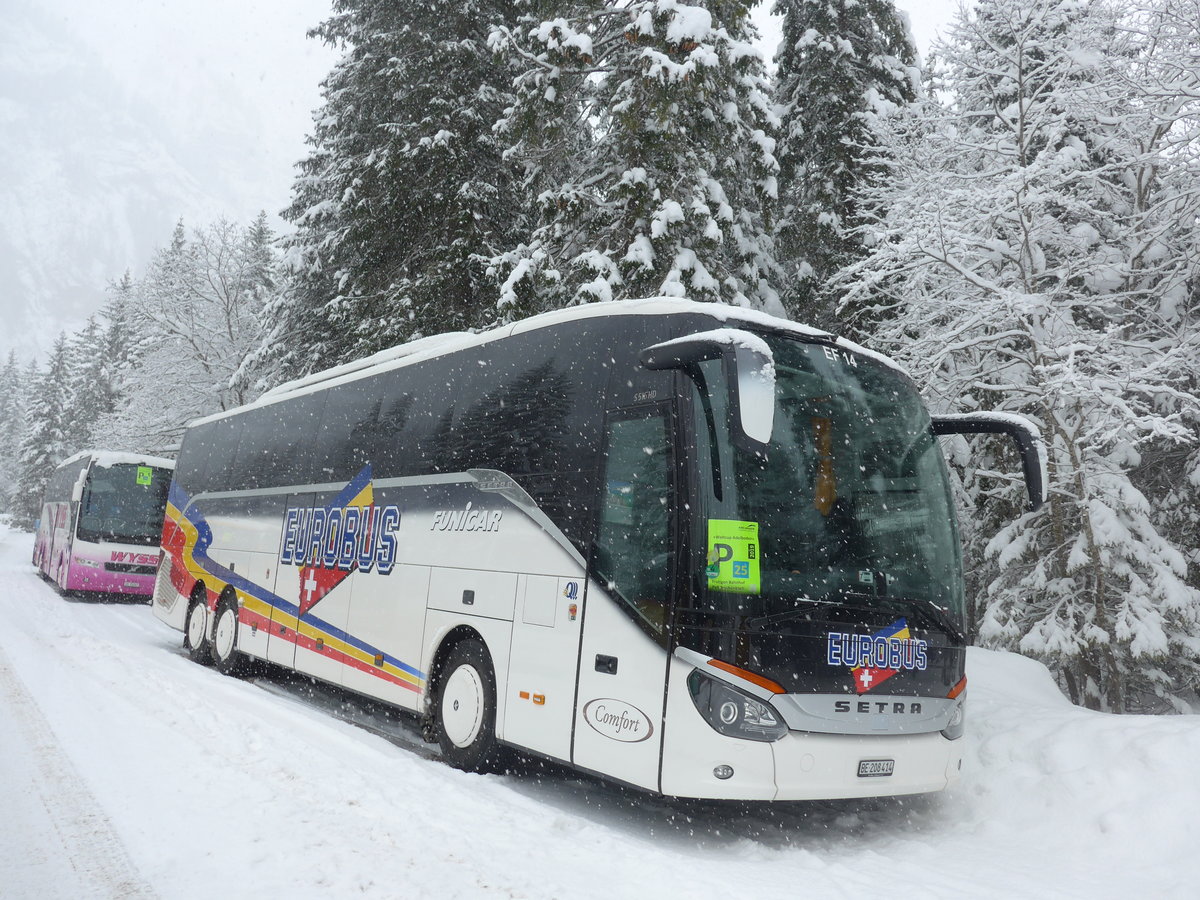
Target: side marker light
(753, 677)
(958, 688)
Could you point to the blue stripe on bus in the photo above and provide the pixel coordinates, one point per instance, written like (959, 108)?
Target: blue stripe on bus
(180, 500)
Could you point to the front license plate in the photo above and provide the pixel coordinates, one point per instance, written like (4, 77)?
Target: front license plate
(874, 768)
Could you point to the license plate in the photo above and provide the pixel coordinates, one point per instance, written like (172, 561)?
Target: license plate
(875, 768)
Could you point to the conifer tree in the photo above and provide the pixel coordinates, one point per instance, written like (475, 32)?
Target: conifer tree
(261, 269)
(92, 393)
(405, 193)
(44, 444)
(840, 66)
(647, 137)
(122, 338)
(1037, 254)
(12, 425)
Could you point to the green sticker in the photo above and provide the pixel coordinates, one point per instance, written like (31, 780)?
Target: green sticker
(145, 475)
(733, 556)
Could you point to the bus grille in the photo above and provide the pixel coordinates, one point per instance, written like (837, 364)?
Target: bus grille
(129, 568)
(165, 594)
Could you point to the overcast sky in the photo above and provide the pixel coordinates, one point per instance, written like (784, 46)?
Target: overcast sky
(122, 116)
(205, 65)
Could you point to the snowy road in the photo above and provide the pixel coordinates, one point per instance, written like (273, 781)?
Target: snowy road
(128, 771)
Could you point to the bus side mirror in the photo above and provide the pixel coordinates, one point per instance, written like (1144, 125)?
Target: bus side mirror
(77, 488)
(1026, 435)
(749, 369)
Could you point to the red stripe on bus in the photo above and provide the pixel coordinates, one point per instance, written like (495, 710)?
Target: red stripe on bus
(249, 617)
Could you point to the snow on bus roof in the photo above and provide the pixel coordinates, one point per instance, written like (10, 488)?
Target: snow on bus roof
(441, 344)
(107, 458)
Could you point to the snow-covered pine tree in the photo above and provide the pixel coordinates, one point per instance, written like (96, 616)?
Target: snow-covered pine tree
(1168, 77)
(647, 136)
(44, 443)
(12, 426)
(122, 337)
(1036, 252)
(92, 391)
(405, 192)
(262, 278)
(840, 65)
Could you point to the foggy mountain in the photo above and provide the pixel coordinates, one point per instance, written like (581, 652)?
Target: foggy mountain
(114, 125)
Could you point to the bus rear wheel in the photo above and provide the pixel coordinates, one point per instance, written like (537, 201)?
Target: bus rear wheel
(195, 635)
(225, 655)
(465, 708)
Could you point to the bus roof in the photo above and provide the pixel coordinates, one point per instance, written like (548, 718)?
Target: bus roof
(442, 344)
(107, 458)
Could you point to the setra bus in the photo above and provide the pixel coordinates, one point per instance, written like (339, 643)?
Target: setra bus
(101, 521)
(694, 549)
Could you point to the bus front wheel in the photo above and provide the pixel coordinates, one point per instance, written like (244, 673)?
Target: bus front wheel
(225, 654)
(195, 635)
(465, 708)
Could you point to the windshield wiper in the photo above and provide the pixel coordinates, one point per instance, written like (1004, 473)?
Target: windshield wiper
(788, 614)
(930, 612)
(926, 610)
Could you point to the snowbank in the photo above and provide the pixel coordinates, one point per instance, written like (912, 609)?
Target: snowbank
(130, 771)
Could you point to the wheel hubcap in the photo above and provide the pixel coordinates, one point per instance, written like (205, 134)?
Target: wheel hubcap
(462, 706)
(224, 636)
(196, 626)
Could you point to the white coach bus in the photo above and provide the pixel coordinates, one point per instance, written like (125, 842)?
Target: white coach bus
(691, 548)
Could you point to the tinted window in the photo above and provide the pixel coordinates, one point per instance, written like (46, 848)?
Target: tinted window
(252, 462)
(531, 406)
(193, 458)
(349, 424)
(218, 444)
(58, 488)
(417, 405)
(633, 542)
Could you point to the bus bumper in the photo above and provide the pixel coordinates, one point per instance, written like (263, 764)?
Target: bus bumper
(812, 766)
(100, 580)
(801, 765)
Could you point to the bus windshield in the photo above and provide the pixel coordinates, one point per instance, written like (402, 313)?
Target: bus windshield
(849, 508)
(123, 504)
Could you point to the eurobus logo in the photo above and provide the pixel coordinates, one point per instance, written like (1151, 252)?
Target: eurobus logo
(874, 658)
(329, 542)
(346, 539)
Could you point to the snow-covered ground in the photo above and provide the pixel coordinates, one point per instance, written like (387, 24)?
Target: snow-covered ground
(128, 771)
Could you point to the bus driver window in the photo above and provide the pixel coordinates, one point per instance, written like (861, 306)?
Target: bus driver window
(632, 549)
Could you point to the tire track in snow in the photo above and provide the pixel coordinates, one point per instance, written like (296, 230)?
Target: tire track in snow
(87, 839)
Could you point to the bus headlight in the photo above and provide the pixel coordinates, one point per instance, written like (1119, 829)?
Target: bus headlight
(89, 563)
(733, 713)
(955, 727)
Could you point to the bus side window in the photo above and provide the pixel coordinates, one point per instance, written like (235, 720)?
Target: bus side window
(632, 551)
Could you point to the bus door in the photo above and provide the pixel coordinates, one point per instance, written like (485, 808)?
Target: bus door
(324, 588)
(539, 703)
(623, 659)
(281, 648)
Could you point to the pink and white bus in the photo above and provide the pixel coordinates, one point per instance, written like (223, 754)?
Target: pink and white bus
(101, 522)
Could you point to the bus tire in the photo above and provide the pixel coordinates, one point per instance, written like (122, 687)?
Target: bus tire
(195, 632)
(464, 712)
(228, 659)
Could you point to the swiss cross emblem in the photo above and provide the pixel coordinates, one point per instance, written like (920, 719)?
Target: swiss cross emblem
(316, 583)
